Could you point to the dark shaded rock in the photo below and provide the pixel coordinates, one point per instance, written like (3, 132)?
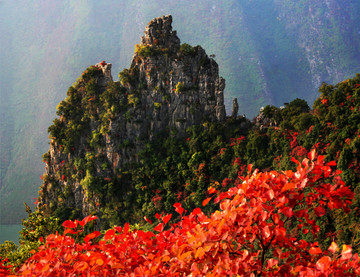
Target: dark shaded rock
(235, 108)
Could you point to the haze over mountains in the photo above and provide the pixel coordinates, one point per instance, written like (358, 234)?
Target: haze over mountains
(269, 52)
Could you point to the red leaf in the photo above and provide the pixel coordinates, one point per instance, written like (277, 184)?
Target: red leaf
(315, 250)
(320, 158)
(316, 228)
(91, 236)
(265, 232)
(159, 227)
(148, 220)
(109, 234)
(100, 262)
(281, 231)
(332, 163)
(178, 208)
(221, 197)
(269, 194)
(287, 187)
(195, 270)
(196, 211)
(70, 224)
(299, 213)
(346, 252)
(319, 211)
(185, 255)
(166, 218)
(81, 266)
(271, 263)
(126, 228)
(204, 203)
(212, 190)
(338, 203)
(295, 160)
(311, 155)
(87, 219)
(199, 253)
(287, 211)
(69, 231)
(323, 264)
(118, 229)
(333, 247)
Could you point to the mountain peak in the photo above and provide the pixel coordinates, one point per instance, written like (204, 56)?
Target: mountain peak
(103, 125)
(159, 33)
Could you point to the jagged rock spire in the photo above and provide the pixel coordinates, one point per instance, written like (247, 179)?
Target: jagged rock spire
(159, 33)
(235, 108)
(106, 69)
(167, 89)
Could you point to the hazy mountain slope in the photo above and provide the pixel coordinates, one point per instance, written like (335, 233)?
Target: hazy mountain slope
(269, 52)
(329, 33)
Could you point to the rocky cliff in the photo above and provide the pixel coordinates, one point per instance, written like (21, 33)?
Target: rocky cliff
(103, 124)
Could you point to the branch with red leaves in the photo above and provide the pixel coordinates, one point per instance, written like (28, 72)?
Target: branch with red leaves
(248, 236)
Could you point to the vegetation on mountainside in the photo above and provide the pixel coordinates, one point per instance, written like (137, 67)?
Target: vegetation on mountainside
(180, 170)
(256, 231)
(145, 51)
(255, 56)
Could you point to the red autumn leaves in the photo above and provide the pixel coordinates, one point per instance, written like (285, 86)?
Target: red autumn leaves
(248, 236)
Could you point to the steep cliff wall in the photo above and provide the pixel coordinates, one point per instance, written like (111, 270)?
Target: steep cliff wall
(102, 124)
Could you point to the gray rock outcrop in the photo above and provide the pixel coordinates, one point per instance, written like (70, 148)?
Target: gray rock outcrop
(235, 108)
(168, 88)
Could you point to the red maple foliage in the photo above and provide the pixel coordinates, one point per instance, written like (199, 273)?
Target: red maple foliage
(248, 236)
(4, 269)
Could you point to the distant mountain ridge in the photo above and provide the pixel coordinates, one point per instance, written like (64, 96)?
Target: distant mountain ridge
(269, 52)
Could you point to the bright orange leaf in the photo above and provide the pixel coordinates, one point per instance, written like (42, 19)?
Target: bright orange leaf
(206, 201)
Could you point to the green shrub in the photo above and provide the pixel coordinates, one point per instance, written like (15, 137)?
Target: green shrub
(133, 100)
(36, 226)
(145, 51)
(187, 49)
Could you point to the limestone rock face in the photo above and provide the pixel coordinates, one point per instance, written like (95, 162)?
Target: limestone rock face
(106, 70)
(159, 33)
(235, 108)
(185, 74)
(168, 88)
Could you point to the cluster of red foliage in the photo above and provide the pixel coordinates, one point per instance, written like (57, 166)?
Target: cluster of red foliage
(251, 234)
(293, 137)
(103, 63)
(298, 152)
(4, 269)
(236, 141)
